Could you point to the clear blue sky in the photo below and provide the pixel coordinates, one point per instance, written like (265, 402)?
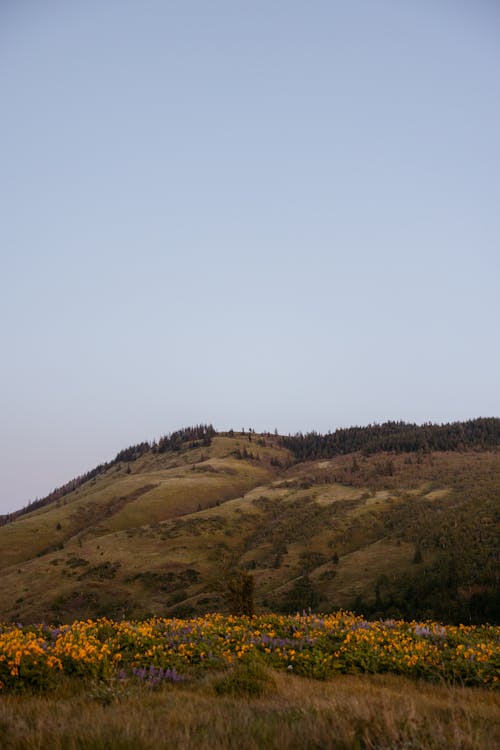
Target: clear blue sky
(273, 214)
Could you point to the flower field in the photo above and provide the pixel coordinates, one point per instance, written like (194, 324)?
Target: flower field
(161, 650)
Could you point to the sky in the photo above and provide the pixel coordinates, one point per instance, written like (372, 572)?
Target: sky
(269, 214)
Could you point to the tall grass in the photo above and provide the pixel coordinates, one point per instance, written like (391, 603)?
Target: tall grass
(348, 713)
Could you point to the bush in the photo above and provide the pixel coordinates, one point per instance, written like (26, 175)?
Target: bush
(248, 678)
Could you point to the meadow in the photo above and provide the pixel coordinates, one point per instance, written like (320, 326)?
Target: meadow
(306, 681)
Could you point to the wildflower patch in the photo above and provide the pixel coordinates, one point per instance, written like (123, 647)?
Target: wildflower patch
(163, 651)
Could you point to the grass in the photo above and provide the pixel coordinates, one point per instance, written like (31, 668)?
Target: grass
(248, 678)
(358, 568)
(190, 509)
(347, 713)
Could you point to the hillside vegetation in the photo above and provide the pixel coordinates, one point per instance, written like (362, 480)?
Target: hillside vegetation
(377, 520)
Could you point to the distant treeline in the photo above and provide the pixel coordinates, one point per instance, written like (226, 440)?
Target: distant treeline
(398, 437)
(200, 434)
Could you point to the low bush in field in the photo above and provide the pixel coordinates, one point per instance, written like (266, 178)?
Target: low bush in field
(249, 677)
(160, 650)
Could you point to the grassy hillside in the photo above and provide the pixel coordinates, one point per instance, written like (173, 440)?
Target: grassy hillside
(408, 534)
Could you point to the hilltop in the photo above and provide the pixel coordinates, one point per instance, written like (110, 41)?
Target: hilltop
(388, 520)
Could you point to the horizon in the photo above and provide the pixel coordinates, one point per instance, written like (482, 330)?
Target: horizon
(243, 431)
(278, 216)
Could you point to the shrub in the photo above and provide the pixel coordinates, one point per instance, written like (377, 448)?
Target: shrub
(248, 678)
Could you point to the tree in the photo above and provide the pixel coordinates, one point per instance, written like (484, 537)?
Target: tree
(417, 557)
(236, 586)
(302, 596)
(239, 592)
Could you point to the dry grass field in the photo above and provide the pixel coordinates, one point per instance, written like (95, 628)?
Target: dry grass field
(347, 713)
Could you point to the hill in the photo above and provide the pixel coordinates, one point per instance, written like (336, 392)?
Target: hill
(165, 527)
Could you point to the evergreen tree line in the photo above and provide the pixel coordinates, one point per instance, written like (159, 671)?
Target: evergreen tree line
(399, 437)
(56, 494)
(199, 434)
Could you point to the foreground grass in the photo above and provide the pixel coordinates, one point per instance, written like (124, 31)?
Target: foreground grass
(348, 713)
